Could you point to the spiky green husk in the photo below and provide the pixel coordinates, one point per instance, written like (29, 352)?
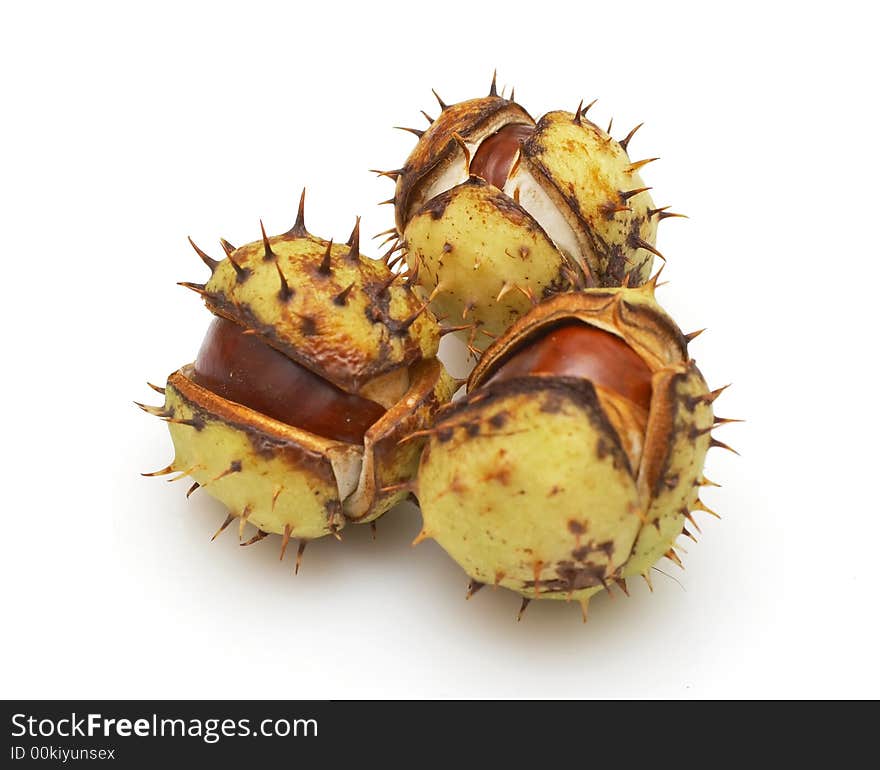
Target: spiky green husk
(472, 248)
(571, 180)
(281, 478)
(592, 182)
(325, 306)
(350, 320)
(525, 488)
(526, 483)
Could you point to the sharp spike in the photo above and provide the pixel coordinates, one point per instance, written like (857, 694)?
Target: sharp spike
(162, 471)
(499, 576)
(285, 292)
(276, 493)
(687, 534)
(473, 587)
(586, 109)
(268, 254)
(636, 165)
(687, 514)
(193, 488)
(712, 395)
(413, 276)
(299, 227)
(242, 521)
(444, 330)
(354, 241)
(386, 257)
(640, 243)
(704, 482)
(528, 294)
(397, 246)
(389, 231)
(505, 289)
(193, 422)
(673, 557)
(241, 273)
(699, 505)
(393, 175)
(652, 283)
(211, 263)
(404, 325)
(512, 94)
(234, 467)
(427, 117)
(187, 472)
(607, 586)
(324, 268)
(226, 522)
(416, 131)
(522, 608)
(585, 607)
(577, 113)
(393, 237)
(610, 123)
(493, 89)
(626, 140)
(285, 539)
(157, 388)
(256, 538)
(625, 195)
(227, 247)
(421, 537)
(621, 584)
(156, 411)
(662, 213)
(299, 555)
(198, 288)
(387, 202)
(693, 335)
(443, 105)
(386, 285)
(342, 297)
(611, 208)
(716, 443)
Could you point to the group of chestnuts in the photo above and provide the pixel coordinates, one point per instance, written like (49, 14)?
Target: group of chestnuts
(571, 460)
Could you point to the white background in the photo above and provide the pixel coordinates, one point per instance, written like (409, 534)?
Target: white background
(125, 130)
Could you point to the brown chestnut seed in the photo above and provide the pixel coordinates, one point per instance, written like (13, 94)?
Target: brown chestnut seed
(242, 368)
(493, 160)
(578, 350)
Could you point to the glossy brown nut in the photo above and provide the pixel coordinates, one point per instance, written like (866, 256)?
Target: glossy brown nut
(576, 349)
(494, 158)
(242, 368)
